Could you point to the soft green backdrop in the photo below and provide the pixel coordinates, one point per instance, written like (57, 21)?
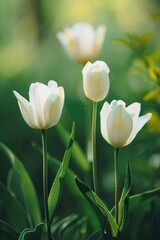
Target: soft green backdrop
(30, 52)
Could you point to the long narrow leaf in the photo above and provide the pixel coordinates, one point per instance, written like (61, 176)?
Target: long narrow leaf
(32, 234)
(8, 231)
(123, 203)
(15, 213)
(56, 227)
(27, 187)
(138, 205)
(96, 235)
(77, 153)
(140, 201)
(84, 206)
(56, 188)
(107, 221)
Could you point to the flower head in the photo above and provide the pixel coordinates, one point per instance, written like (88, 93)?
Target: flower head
(96, 80)
(120, 124)
(81, 42)
(44, 108)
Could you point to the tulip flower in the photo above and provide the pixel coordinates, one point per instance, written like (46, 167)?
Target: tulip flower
(81, 42)
(96, 86)
(120, 124)
(96, 80)
(44, 108)
(43, 111)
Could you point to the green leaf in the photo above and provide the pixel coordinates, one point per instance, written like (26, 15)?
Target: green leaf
(84, 206)
(25, 186)
(13, 185)
(8, 231)
(77, 153)
(145, 39)
(138, 202)
(124, 200)
(56, 189)
(83, 230)
(32, 234)
(67, 227)
(56, 225)
(107, 221)
(96, 235)
(138, 207)
(15, 213)
(153, 95)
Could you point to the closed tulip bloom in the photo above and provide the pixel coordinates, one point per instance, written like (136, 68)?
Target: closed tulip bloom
(44, 108)
(81, 42)
(120, 124)
(96, 80)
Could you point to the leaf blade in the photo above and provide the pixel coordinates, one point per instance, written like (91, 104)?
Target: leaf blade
(32, 234)
(8, 230)
(77, 152)
(29, 193)
(56, 188)
(101, 210)
(13, 208)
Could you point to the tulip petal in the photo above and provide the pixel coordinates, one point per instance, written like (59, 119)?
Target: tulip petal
(100, 85)
(84, 35)
(119, 126)
(38, 93)
(103, 117)
(134, 110)
(141, 121)
(52, 85)
(99, 66)
(26, 110)
(63, 39)
(86, 68)
(100, 35)
(116, 103)
(53, 108)
(96, 80)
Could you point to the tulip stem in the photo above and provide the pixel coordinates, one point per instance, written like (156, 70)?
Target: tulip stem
(88, 130)
(94, 163)
(116, 151)
(45, 183)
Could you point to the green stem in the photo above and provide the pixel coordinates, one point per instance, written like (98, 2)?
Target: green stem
(116, 151)
(45, 183)
(94, 166)
(88, 130)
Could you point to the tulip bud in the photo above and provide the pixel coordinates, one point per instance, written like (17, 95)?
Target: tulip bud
(81, 42)
(44, 108)
(120, 124)
(96, 80)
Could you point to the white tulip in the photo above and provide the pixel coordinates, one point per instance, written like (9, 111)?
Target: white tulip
(81, 42)
(96, 80)
(120, 124)
(44, 108)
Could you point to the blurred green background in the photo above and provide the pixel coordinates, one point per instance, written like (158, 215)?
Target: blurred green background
(30, 52)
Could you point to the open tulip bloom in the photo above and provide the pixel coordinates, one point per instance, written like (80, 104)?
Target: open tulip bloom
(120, 124)
(44, 108)
(43, 111)
(81, 42)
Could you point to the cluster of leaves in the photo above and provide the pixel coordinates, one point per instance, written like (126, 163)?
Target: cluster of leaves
(146, 59)
(20, 204)
(23, 217)
(145, 62)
